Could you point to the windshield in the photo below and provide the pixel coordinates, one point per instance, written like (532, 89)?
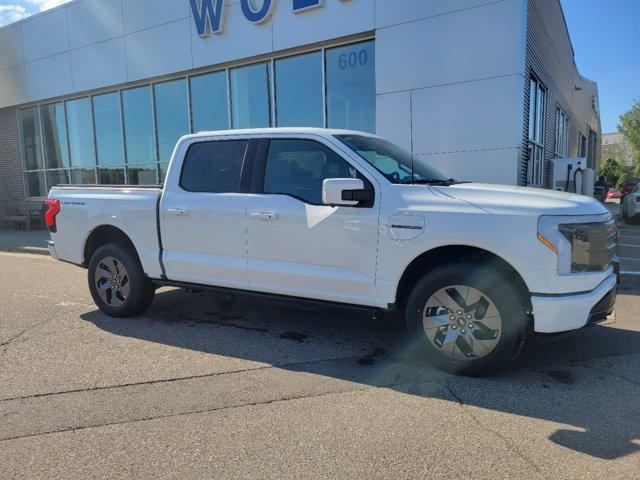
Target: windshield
(395, 163)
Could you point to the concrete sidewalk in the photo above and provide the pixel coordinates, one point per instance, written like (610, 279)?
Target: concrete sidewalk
(34, 241)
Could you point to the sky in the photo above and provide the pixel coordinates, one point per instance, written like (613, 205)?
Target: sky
(606, 41)
(605, 36)
(14, 10)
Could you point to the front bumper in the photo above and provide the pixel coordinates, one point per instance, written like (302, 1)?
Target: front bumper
(561, 313)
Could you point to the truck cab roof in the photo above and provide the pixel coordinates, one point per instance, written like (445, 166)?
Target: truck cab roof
(275, 131)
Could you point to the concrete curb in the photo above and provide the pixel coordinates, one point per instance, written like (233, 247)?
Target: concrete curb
(28, 250)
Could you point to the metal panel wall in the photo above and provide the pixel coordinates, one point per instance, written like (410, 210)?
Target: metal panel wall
(11, 185)
(550, 58)
(449, 78)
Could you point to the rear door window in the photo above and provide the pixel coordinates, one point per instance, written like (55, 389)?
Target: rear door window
(214, 167)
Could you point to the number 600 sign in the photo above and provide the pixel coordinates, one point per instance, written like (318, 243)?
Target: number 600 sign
(353, 59)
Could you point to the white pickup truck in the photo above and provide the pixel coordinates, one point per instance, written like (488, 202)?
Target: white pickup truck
(346, 217)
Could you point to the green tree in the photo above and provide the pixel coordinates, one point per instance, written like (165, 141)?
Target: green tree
(613, 173)
(629, 126)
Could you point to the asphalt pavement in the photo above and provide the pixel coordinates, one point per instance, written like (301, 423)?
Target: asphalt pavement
(211, 386)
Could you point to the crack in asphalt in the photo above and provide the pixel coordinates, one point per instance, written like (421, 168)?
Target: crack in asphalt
(196, 412)
(16, 337)
(176, 379)
(506, 441)
(7, 344)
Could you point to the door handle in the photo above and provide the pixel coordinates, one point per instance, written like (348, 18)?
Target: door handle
(178, 212)
(264, 216)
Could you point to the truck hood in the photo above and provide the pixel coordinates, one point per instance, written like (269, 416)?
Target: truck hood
(508, 200)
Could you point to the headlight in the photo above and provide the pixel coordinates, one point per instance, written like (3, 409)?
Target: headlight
(582, 244)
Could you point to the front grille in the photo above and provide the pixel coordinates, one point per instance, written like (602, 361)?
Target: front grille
(593, 245)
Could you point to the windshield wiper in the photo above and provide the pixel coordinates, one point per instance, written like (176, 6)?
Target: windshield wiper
(437, 181)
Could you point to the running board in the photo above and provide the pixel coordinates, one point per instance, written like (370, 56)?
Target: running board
(274, 297)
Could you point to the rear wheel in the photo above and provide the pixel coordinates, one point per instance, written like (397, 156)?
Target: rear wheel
(467, 318)
(117, 282)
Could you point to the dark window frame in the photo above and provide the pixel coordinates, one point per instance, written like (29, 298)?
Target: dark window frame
(537, 131)
(260, 166)
(246, 168)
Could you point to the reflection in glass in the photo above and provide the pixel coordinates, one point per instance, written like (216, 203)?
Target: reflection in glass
(299, 91)
(30, 134)
(35, 184)
(351, 91)
(111, 176)
(109, 142)
(80, 126)
(138, 125)
(57, 177)
(163, 171)
(142, 174)
(82, 176)
(172, 115)
(250, 96)
(209, 109)
(54, 131)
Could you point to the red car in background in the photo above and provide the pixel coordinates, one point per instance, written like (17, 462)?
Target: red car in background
(613, 194)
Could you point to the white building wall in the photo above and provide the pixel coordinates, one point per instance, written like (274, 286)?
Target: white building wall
(458, 67)
(90, 44)
(449, 74)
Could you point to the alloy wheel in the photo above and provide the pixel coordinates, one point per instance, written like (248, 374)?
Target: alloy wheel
(112, 281)
(462, 322)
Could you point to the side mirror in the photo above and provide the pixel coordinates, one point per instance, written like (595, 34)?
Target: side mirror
(348, 192)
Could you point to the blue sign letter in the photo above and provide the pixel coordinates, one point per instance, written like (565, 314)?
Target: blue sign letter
(208, 18)
(259, 16)
(302, 5)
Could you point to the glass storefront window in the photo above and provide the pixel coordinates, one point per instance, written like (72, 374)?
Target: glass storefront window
(111, 176)
(80, 125)
(31, 140)
(138, 125)
(250, 96)
(209, 105)
(57, 177)
(82, 176)
(298, 81)
(172, 115)
(54, 133)
(109, 141)
(142, 174)
(129, 135)
(163, 171)
(35, 184)
(351, 91)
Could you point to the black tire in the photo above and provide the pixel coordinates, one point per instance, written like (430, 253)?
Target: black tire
(509, 301)
(139, 289)
(151, 295)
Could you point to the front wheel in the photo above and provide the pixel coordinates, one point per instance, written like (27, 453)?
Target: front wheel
(117, 282)
(467, 318)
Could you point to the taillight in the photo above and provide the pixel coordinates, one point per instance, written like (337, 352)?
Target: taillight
(53, 209)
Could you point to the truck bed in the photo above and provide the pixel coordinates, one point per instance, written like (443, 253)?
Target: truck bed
(130, 208)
